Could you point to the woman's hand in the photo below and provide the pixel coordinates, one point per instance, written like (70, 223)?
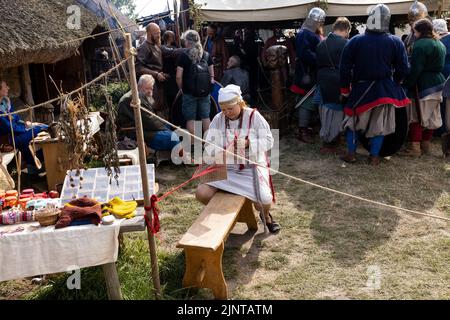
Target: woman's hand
(240, 141)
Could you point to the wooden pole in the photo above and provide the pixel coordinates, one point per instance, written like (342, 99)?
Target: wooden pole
(177, 24)
(112, 281)
(142, 161)
(45, 81)
(27, 92)
(183, 16)
(116, 59)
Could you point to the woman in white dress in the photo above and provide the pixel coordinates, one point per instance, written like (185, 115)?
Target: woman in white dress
(244, 131)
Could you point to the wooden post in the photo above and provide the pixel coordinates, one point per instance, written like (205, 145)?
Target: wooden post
(177, 24)
(183, 15)
(45, 81)
(143, 161)
(25, 78)
(112, 281)
(441, 8)
(116, 59)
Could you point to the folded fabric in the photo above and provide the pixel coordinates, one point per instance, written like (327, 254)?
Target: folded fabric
(80, 222)
(83, 202)
(81, 208)
(120, 209)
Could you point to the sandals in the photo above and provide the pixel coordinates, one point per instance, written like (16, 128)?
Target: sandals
(273, 227)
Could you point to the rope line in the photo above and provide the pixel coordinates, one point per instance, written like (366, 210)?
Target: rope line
(302, 180)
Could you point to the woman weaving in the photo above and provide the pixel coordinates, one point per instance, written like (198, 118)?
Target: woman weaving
(242, 131)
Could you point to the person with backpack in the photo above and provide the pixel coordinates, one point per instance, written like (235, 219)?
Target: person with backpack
(195, 79)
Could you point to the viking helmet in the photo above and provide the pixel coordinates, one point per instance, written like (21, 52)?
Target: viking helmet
(315, 18)
(417, 11)
(379, 18)
(317, 15)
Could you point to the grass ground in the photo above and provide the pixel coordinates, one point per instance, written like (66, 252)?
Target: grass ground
(330, 247)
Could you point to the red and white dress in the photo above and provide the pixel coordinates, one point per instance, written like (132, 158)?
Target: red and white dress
(242, 178)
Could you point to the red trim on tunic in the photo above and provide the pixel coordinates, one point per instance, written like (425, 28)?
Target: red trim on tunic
(272, 188)
(345, 90)
(376, 103)
(296, 89)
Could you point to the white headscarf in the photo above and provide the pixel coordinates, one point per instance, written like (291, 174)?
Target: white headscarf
(230, 94)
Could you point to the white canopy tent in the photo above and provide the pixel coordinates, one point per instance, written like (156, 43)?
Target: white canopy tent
(278, 10)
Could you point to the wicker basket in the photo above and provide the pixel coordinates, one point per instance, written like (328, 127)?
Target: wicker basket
(47, 217)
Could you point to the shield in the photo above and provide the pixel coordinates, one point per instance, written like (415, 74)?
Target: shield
(393, 142)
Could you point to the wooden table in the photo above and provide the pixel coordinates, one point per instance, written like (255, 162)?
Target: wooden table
(109, 269)
(56, 155)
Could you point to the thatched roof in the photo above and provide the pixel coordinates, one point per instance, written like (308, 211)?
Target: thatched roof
(34, 31)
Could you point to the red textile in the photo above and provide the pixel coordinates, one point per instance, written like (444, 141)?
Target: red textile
(82, 208)
(427, 135)
(296, 89)
(376, 103)
(417, 133)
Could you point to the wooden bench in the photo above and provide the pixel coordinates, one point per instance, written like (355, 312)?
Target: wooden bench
(204, 242)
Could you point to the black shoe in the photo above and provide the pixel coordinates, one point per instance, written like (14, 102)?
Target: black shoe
(273, 227)
(306, 135)
(348, 157)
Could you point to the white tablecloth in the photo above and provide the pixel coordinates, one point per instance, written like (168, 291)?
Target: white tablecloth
(44, 250)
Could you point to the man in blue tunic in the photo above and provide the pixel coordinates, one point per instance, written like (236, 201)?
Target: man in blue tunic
(306, 43)
(373, 65)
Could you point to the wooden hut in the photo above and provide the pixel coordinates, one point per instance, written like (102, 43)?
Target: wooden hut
(39, 39)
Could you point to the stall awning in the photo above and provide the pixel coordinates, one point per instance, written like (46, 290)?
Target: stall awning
(270, 10)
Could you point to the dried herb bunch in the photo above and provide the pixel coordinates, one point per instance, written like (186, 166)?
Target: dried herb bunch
(76, 133)
(110, 154)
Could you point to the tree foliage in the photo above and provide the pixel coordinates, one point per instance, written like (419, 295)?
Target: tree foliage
(127, 7)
